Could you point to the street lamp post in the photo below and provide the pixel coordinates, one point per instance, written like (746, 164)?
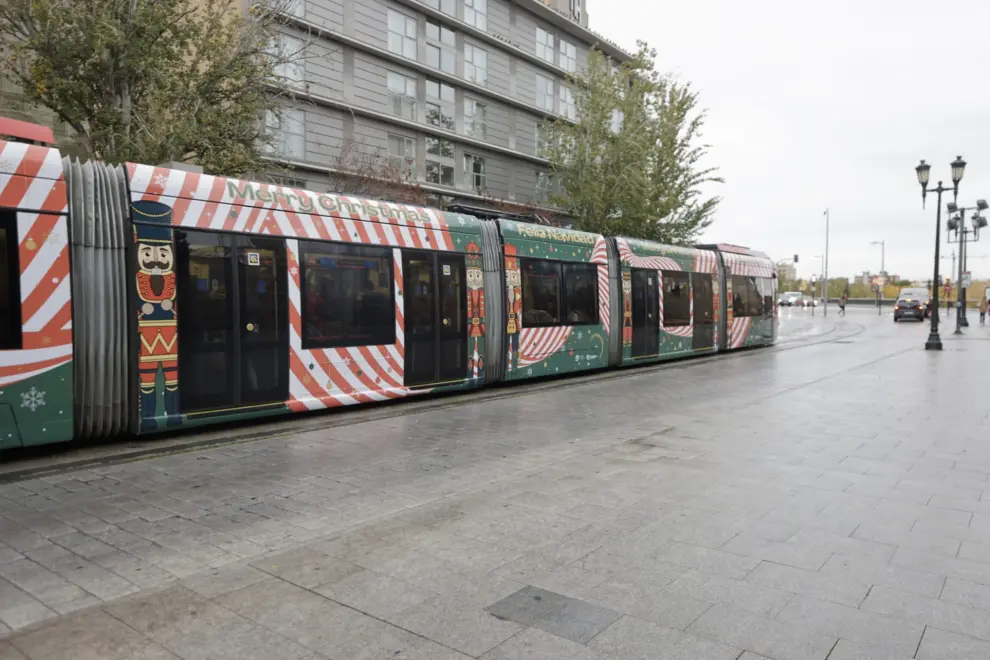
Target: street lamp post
(958, 224)
(883, 275)
(825, 267)
(813, 293)
(923, 170)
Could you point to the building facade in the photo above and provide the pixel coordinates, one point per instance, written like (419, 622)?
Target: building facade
(451, 91)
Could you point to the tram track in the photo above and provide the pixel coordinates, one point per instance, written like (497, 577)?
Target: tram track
(110, 454)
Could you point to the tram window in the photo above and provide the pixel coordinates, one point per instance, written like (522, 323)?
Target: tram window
(746, 297)
(347, 295)
(10, 278)
(765, 286)
(580, 293)
(541, 292)
(676, 299)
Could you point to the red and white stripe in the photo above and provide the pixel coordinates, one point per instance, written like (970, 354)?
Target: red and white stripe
(748, 266)
(635, 261)
(739, 331)
(599, 255)
(205, 202)
(536, 344)
(326, 378)
(31, 179)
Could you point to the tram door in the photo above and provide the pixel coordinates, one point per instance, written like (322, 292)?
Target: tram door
(704, 311)
(435, 300)
(233, 318)
(645, 313)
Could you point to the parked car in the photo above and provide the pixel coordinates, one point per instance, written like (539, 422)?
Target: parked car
(909, 308)
(791, 299)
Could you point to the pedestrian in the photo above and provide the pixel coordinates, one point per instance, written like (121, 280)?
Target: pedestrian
(842, 304)
(983, 310)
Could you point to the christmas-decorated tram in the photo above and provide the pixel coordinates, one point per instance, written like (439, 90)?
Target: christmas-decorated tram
(138, 299)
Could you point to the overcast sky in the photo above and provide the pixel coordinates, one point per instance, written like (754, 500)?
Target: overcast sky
(830, 105)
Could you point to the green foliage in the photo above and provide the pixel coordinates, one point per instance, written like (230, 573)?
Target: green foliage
(149, 80)
(636, 173)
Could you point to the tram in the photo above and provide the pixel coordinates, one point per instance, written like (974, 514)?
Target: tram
(137, 299)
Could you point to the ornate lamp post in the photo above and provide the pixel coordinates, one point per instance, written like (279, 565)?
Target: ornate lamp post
(923, 170)
(957, 224)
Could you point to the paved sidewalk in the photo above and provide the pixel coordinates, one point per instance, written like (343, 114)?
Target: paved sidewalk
(802, 504)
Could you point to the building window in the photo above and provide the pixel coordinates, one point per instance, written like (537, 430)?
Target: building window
(401, 34)
(475, 64)
(544, 93)
(475, 119)
(746, 297)
(544, 45)
(402, 153)
(439, 173)
(288, 182)
(475, 176)
(402, 95)
(567, 107)
(440, 147)
(446, 6)
(476, 13)
(676, 299)
(347, 295)
(440, 47)
(542, 141)
(440, 104)
(542, 186)
(439, 161)
(290, 64)
(10, 283)
(568, 55)
(288, 130)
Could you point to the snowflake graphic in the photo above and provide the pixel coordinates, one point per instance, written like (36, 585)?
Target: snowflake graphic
(529, 372)
(32, 399)
(293, 271)
(580, 335)
(161, 180)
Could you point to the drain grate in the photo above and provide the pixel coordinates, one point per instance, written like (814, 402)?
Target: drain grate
(554, 613)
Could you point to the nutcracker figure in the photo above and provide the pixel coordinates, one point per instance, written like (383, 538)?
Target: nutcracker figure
(627, 308)
(513, 284)
(476, 306)
(156, 312)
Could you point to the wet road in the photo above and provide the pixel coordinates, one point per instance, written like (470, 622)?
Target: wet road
(826, 498)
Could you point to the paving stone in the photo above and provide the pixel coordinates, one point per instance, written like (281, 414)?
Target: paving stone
(377, 595)
(306, 568)
(814, 584)
(633, 639)
(554, 613)
(941, 645)
(966, 593)
(169, 614)
(853, 624)
(532, 643)
(236, 639)
(705, 559)
(748, 630)
(9, 652)
(921, 560)
(92, 635)
(847, 650)
(458, 623)
(716, 589)
(948, 616)
(220, 581)
(872, 572)
(668, 609)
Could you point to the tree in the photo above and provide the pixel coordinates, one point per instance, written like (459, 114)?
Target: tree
(360, 171)
(630, 163)
(151, 80)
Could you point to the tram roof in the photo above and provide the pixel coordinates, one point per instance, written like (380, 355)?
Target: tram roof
(167, 185)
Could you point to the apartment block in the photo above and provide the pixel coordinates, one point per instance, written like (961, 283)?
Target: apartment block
(455, 90)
